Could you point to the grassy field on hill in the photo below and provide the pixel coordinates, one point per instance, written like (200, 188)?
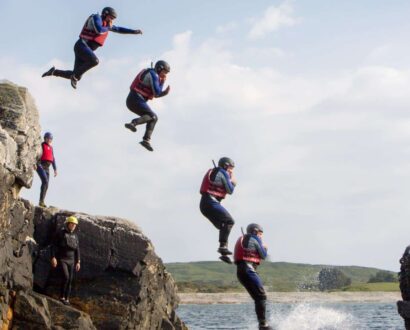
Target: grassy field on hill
(214, 276)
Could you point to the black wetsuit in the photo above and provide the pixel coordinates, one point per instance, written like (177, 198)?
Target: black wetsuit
(138, 105)
(212, 208)
(85, 59)
(43, 171)
(43, 168)
(66, 250)
(249, 278)
(137, 100)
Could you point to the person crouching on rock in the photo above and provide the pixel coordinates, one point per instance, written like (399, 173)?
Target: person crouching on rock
(147, 84)
(248, 253)
(43, 166)
(218, 182)
(65, 252)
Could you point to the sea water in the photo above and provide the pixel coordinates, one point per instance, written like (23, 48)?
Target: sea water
(303, 316)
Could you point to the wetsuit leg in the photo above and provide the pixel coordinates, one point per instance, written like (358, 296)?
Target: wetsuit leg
(218, 215)
(85, 59)
(250, 279)
(63, 73)
(68, 274)
(44, 174)
(139, 106)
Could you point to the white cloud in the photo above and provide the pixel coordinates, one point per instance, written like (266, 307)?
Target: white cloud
(314, 156)
(228, 27)
(272, 20)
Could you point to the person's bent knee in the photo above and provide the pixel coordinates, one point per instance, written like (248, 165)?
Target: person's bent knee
(229, 221)
(154, 118)
(261, 298)
(95, 61)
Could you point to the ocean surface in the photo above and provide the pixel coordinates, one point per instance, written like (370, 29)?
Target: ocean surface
(303, 316)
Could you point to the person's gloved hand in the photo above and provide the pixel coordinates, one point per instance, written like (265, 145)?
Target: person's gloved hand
(166, 91)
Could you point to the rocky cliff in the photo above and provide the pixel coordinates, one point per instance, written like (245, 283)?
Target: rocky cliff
(403, 306)
(123, 284)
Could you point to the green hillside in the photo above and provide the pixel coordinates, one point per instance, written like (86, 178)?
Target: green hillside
(212, 276)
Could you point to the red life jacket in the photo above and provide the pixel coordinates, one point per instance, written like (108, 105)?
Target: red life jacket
(47, 154)
(89, 32)
(208, 187)
(141, 88)
(243, 254)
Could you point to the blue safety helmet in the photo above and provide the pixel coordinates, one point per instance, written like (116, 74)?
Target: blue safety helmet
(254, 228)
(162, 65)
(109, 11)
(48, 135)
(224, 162)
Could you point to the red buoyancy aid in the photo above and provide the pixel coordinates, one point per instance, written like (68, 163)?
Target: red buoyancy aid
(47, 154)
(208, 187)
(243, 254)
(89, 31)
(138, 85)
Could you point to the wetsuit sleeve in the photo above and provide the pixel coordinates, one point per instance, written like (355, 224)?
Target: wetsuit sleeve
(98, 24)
(156, 85)
(259, 247)
(77, 252)
(54, 244)
(54, 164)
(226, 180)
(122, 30)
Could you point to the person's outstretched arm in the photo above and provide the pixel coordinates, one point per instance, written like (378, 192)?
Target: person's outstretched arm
(122, 30)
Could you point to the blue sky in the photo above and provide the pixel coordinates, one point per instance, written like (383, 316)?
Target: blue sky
(310, 98)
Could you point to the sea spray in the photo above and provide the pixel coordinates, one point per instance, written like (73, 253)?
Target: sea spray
(290, 316)
(311, 317)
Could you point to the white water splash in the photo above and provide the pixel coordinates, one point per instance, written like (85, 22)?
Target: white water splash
(311, 317)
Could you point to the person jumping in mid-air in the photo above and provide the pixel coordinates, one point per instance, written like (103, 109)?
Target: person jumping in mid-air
(43, 166)
(216, 183)
(248, 253)
(92, 36)
(147, 85)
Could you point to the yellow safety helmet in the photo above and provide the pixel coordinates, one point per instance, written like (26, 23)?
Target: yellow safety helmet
(71, 219)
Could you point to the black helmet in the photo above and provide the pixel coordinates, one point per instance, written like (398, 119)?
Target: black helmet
(253, 227)
(225, 162)
(109, 11)
(48, 135)
(162, 65)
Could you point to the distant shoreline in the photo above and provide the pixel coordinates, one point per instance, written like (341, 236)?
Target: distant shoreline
(290, 297)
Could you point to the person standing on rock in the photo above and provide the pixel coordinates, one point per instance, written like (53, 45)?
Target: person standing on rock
(92, 36)
(65, 252)
(248, 253)
(218, 182)
(147, 85)
(43, 166)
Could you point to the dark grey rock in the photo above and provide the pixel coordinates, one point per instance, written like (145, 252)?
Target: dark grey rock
(121, 276)
(403, 307)
(35, 311)
(123, 284)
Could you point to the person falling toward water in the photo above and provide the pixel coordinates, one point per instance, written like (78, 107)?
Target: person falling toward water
(218, 182)
(147, 84)
(65, 252)
(92, 36)
(248, 253)
(43, 166)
